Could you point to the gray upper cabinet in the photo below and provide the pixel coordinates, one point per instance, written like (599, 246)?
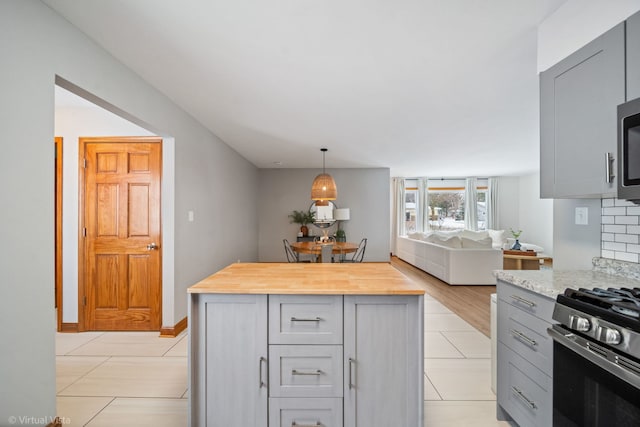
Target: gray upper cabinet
(633, 57)
(383, 350)
(578, 100)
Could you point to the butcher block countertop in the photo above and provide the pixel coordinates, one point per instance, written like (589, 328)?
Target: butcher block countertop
(308, 279)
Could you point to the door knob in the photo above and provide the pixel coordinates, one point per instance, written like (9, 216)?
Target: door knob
(152, 246)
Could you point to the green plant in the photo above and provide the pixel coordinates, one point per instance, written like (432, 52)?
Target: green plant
(515, 234)
(302, 217)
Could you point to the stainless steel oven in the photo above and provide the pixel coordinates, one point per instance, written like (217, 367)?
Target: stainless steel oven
(596, 370)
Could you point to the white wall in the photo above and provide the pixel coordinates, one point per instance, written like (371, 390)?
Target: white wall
(364, 191)
(575, 245)
(508, 203)
(575, 24)
(36, 44)
(521, 208)
(536, 214)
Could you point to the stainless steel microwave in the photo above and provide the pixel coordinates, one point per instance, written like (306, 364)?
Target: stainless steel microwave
(629, 150)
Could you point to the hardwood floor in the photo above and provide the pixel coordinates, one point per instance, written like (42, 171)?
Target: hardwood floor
(472, 303)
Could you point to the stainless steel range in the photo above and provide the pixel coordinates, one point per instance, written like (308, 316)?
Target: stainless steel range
(596, 366)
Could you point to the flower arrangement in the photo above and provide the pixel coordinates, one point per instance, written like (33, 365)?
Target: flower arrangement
(515, 234)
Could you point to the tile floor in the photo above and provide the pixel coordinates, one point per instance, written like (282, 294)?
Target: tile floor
(139, 379)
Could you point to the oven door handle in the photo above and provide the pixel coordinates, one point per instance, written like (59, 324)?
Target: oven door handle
(620, 367)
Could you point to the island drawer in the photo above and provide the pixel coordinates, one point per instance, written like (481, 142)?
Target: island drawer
(288, 412)
(305, 371)
(524, 391)
(526, 335)
(527, 301)
(305, 319)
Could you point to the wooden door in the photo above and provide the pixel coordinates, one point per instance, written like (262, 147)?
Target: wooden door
(121, 233)
(58, 229)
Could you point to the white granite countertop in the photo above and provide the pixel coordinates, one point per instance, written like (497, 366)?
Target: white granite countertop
(550, 283)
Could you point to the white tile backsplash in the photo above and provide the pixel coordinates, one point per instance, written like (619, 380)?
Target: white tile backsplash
(620, 237)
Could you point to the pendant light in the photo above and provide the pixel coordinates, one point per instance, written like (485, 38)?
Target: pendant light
(323, 187)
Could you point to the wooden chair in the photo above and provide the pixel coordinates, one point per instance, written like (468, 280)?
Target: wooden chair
(358, 255)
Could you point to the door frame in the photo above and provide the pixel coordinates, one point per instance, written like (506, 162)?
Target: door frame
(58, 227)
(82, 282)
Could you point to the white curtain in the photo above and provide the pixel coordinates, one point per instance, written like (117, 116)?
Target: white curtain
(397, 213)
(492, 204)
(422, 221)
(471, 204)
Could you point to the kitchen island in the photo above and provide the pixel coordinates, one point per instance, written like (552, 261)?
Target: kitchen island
(306, 345)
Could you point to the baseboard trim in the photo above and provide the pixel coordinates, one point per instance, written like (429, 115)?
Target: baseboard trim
(69, 327)
(174, 331)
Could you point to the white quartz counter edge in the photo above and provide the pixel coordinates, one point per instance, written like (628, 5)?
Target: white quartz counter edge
(550, 283)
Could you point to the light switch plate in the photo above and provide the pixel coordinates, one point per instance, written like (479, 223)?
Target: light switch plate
(582, 216)
(190, 216)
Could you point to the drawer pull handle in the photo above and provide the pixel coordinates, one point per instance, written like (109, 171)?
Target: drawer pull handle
(262, 383)
(294, 424)
(351, 384)
(523, 301)
(523, 337)
(524, 398)
(298, 319)
(317, 372)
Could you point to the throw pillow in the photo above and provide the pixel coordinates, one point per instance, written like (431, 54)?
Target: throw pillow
(498, 237)
(485, 243)
(474, 235)
(447, 241)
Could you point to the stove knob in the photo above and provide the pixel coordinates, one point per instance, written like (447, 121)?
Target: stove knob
(579, 324)
(609, 335)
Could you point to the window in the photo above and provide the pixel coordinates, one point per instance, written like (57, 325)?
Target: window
(446, 204)
(410, 209)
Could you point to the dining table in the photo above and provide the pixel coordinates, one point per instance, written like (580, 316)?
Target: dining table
(315, 248)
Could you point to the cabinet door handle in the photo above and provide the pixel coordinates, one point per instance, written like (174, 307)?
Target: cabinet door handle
(262, 383)
(608, 158)
(317, 372)
(523, 337)
(298, 319)
(351, 363)
(294, 424)
(524, 398)
(523, 301)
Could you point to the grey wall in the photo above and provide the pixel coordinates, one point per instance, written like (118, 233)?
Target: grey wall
(364, 191)
(574, 246)
(220, 186)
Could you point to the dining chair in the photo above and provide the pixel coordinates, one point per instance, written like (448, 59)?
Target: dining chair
(358, 255)
(327, 252)
(291, 255)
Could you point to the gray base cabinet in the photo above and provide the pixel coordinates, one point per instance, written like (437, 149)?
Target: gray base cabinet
(228, 360)
(633, 57)
(306, 360)
(383, 350)
(525, 357)
(578, 118)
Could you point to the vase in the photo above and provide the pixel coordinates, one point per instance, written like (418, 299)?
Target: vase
(305, 230)
(516, 246)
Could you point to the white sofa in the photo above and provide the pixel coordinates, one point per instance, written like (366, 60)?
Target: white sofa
(461, 262)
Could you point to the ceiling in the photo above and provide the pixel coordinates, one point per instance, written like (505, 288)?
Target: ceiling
(440, 88)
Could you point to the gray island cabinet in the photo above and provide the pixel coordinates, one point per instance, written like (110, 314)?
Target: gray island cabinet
(306, 345)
